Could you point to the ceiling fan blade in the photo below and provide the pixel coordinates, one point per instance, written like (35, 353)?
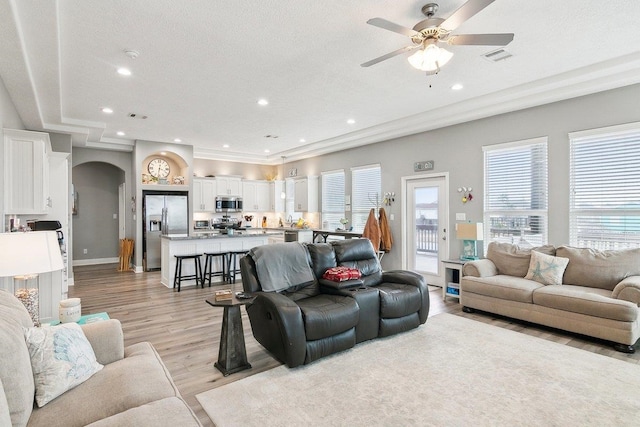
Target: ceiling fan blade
(390, 55)
(463, 13)
(388, 25)
(481, 39)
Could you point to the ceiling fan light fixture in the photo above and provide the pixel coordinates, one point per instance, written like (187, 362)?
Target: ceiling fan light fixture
(431, 58)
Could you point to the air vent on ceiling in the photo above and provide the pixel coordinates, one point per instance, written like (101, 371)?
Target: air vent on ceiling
(497, 55)
(271, 136)
(136, 116)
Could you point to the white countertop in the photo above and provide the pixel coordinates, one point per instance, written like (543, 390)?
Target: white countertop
(218, 235)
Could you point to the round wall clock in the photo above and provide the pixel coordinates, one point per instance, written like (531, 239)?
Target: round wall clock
(159, 168)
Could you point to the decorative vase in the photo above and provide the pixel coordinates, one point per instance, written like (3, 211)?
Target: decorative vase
(70, 310)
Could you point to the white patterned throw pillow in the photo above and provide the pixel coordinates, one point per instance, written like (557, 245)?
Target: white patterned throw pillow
(61, 358)
(546, 269)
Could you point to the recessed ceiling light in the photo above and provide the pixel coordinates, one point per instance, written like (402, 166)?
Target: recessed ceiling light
(303, 140)
(124, 71)
(177, 140)
(263, 102)
(225, 146)
(457, 86)
(120, 133)
(351, 121)
(107, 110)
(267, 151)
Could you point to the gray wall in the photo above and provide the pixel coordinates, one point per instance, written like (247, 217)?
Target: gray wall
(120, 161)
(94, 227)
(458, 151)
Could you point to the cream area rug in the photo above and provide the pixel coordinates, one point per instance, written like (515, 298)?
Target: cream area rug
(451, 371)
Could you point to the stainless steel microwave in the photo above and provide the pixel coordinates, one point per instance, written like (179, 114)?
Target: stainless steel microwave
(228, 204)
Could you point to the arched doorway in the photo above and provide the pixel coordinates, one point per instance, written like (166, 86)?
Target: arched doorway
(95, 221)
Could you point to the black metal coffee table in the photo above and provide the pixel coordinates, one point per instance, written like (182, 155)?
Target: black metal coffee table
(232, 356)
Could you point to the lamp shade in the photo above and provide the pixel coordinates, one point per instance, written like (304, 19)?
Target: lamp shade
(467, 231)
(29, 253)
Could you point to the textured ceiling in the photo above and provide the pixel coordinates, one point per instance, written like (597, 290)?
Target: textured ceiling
(204, 64)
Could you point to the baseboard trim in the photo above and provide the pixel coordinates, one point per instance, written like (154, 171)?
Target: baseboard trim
(95, 261)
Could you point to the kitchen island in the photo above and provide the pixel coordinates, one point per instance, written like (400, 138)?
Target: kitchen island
(182, 244)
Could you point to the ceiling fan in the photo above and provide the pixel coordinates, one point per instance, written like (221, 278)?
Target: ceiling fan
(428, 33)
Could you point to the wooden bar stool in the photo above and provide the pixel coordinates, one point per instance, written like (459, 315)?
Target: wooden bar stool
(233, 268)
(178, 277)
(208, 266)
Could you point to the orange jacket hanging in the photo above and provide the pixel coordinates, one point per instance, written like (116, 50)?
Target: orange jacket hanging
(386, 240)
(372, 230)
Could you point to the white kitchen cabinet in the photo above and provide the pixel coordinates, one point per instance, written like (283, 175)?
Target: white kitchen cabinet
(229, 186)
(26, 172)
(277, 203)
(306, 194)
(276, 238)
(204, 194)
(255, 196)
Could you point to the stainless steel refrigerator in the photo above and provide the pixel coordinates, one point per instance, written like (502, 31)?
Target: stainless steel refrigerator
(164, 213)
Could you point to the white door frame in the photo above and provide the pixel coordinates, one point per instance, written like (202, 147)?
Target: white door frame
(444, 199)
(122, 203)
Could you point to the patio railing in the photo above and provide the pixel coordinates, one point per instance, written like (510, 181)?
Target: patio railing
(427, 238)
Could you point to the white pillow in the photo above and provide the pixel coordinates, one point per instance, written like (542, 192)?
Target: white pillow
(546, 269)
(61, 358)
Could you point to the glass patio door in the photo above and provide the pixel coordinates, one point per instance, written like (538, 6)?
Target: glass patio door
(427, 227)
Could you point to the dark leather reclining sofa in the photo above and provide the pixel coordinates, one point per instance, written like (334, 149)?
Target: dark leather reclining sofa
(306, 322)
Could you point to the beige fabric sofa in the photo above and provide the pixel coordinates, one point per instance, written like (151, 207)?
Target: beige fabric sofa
(133, 389)
(599, 295)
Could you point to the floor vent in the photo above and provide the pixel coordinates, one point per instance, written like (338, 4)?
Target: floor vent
(497, 55)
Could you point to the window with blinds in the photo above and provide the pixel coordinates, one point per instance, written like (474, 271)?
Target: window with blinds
(332, 199)
(604, 208)
(516, 188)
(365, 187)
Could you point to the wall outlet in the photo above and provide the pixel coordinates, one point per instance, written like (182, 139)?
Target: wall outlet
(84, 251)
(115, 216)
(461, 216)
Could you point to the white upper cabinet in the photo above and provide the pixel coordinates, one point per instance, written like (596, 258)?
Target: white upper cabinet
(204, 194)
(255, 196)
(277, 202)
(26, 172)
(306, 194)
(229, 186)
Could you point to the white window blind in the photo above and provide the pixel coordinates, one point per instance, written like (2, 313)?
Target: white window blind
(365, 187)
(332, 199)
(515, 199)
(605, 188)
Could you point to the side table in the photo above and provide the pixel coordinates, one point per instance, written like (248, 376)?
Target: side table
(232, 356)
(452, 275)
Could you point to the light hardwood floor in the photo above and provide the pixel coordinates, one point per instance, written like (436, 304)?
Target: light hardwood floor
(186, 330)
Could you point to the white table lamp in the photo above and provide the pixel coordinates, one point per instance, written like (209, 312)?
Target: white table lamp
(25, 255)
(469, 233)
